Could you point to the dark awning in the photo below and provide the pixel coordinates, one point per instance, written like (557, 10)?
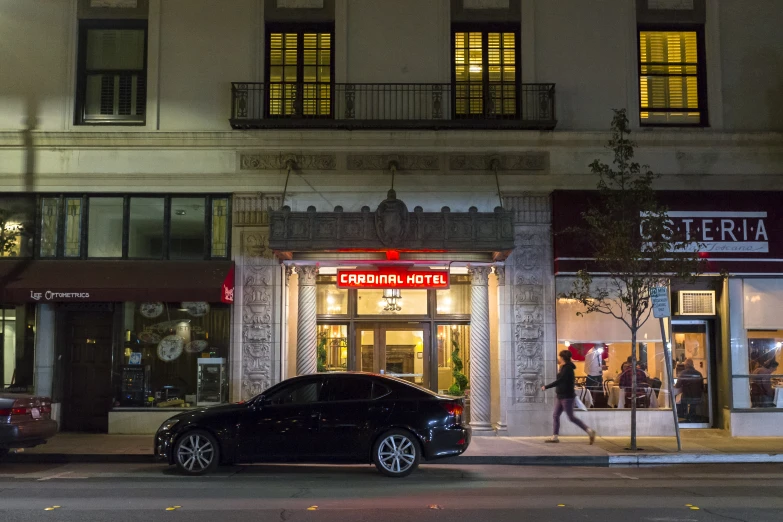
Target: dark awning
(90, 280)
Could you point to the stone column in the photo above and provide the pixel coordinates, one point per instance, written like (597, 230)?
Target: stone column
(306, 328)
(503, 325)
(480, 385)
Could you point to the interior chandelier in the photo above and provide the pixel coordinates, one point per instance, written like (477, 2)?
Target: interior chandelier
(392, 296)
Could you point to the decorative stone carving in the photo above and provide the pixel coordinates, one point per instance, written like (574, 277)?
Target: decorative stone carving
(281, 161)
(503, 162)
(480, 383)
(403, 161)
(500, 273)
(253, 209)
(392, 220)
(306, 328)
(529, 208)
(257, 281)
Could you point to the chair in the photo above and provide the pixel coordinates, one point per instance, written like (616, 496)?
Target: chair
(643, 392)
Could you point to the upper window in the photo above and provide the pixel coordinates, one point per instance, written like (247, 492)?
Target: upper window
(112, 77)
(486, 67)
(671, 86)
(299, 73)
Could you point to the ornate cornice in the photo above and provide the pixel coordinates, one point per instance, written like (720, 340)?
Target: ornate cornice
(534, 161)
(264, 161)
(403, 161)
(253, 209)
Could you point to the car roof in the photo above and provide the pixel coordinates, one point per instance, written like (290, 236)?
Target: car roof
(389, 379)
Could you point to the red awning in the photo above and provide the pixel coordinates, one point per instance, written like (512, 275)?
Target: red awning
(90, 280)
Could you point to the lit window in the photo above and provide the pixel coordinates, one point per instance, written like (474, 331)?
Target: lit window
(300, 73)
(669, 76)
(485, 73)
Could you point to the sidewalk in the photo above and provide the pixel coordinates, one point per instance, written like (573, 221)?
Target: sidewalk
(699, 446)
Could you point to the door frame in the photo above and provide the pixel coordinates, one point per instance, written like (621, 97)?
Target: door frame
(379, 330)
(708, 349)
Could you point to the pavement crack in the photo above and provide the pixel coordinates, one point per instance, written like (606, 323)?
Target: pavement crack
(285, 515)
(301, 493)
(724, 516)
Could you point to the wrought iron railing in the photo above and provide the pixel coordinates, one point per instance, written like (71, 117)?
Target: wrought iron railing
(392, 105)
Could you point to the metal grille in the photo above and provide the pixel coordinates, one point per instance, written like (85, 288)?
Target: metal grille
(697, 302)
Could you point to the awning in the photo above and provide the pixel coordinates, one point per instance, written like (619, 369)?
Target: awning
(91, 280)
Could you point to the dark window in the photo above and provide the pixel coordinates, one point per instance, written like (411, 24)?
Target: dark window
(348, 389)
(299, 393)
(112, 78)
(145, 228)
(299, 72)
(671, 78)
(486, 72)
(379, 390)
(105, 227)
(187, 239)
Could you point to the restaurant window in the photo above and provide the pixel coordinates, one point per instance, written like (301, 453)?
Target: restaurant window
(332, 349)
(17, 348)
(173, 355)
(220, 227)
(391, 301)
(671, 79)
(486, 67)
(299, 72)
(765, 365)
(330, 300)
(600, 347)
(453, 351)
(145, 228)
(456, 299)
(105, 227)
(112, 77)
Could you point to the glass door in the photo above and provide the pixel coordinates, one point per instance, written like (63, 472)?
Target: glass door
(691, 354)
(400, 351)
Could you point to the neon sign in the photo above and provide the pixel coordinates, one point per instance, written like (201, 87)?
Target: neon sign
(392, 278)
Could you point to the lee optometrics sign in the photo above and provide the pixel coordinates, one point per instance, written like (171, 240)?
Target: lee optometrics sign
(392, 278)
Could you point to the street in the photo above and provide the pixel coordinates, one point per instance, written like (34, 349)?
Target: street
(135, 492)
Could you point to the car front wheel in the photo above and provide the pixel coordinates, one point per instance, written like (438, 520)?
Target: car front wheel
(196, 452)
(396, 453)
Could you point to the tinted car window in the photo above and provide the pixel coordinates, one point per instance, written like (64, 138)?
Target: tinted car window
(379, 390)
(300, 393)
(348, 389)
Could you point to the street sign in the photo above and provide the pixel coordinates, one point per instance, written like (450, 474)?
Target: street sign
(660, 301)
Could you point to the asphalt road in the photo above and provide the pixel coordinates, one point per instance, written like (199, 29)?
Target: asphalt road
(118, 493)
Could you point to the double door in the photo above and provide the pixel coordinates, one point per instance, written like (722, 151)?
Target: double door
(397, 350)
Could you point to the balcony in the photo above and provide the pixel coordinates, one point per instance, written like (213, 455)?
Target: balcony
(354, 106)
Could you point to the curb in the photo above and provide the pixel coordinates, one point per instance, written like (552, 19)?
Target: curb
(662, 459)
(68, 458)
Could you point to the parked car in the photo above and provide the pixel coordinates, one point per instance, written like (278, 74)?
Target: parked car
(25, 421)
(322, 418)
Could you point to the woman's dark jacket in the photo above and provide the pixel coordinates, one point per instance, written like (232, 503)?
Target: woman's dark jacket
(564, 384)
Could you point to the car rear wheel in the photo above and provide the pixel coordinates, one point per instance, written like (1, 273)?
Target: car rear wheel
(396, 453)
(196, 453)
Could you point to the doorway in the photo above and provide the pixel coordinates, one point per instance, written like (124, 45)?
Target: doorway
(692, 356)
(87, 391)
(397, 350)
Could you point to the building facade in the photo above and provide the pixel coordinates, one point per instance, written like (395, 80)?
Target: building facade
(205, 198)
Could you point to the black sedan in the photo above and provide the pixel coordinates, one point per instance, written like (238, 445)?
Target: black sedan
(323, 418)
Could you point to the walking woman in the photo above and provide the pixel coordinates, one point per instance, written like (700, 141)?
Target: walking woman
(564, 387)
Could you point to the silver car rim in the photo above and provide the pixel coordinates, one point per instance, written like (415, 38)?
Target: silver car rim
(396, 454)
(195, 453)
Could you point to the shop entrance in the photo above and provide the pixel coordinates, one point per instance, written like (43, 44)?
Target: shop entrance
(87, 370)
(692, 354)
(398, 350)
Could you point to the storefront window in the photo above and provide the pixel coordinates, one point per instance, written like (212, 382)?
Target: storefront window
(49, 221)
(186, 238)
(173, 355)
(765, 362)
(17, 218)
(453, 351)
(219, 227)
(330, 300)
(399, 302)
(17, 348)
(105, 227)
(145, 230)
(73, 227)
(455, 300)
(332, 348)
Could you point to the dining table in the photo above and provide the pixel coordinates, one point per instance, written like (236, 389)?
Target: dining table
(616, 398)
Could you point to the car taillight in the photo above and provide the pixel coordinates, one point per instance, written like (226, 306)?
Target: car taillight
(46, 408)
(454, 409)
(5, 412)
(15, 411)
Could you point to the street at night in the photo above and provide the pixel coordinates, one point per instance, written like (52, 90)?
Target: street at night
(126, 492)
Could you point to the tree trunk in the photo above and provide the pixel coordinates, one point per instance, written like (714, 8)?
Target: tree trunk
(634, 386)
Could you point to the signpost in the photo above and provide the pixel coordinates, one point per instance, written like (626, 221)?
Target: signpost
(659, 295)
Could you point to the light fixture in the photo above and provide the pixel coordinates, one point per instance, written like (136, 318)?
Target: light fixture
(567, 344)
(392, 296)
(180, 212)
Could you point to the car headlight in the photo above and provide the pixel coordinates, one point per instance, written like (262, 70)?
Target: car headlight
(166, 426)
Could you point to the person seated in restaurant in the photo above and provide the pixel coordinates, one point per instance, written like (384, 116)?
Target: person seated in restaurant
(626, 379)
(761, 390)
(691, 384)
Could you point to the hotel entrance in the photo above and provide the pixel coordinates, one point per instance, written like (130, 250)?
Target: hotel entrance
(401, 351)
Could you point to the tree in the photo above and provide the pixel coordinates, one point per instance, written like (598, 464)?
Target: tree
(635, 244)
(460, 380)
(10, 233)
